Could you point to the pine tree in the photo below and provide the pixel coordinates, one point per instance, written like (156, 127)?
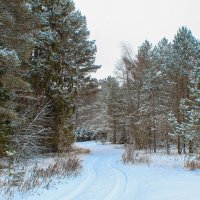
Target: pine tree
(183, 59)
(162, 53)
(189, 129)
(61, 62)
(17, 26)
(113, 99)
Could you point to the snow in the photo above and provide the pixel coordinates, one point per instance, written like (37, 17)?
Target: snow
(105, 177)
(10, 55)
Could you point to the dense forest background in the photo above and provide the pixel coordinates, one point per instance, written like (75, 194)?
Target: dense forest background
(153, 101)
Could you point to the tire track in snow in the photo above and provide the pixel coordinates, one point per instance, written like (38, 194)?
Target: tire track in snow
(91, 175)
(120, 183)
(125, 180)
(104, 178)
(111, 188)
(100, 183)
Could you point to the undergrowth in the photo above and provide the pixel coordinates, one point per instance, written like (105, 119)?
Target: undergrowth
(130, 155)
(24, 179)
(192, 162)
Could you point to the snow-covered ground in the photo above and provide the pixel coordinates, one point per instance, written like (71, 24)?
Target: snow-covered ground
(105, 177)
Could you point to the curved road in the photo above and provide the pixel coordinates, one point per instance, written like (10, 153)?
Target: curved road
(105, 177)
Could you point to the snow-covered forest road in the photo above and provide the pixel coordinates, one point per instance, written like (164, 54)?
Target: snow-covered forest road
(105, 177)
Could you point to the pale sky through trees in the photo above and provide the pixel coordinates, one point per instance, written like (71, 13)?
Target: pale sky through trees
(113, 22)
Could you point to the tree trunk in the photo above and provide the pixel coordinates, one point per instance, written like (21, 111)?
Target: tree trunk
(178, 113)
(191, 148)
(154, 141)
(168, 147)
(114, 130)
(179, 145)
(154, 123)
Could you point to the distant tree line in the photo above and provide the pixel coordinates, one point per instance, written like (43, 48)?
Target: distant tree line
(46, 57)
(154, 99)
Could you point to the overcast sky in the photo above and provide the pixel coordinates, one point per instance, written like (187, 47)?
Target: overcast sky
(113, 22)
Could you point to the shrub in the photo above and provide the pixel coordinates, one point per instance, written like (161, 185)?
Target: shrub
(79, 150)
(193, 162)
(132, 156)
(18, 178)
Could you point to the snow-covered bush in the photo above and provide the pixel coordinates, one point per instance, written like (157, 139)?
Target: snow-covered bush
(42, 174)
(130, 155)
(193, 162)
